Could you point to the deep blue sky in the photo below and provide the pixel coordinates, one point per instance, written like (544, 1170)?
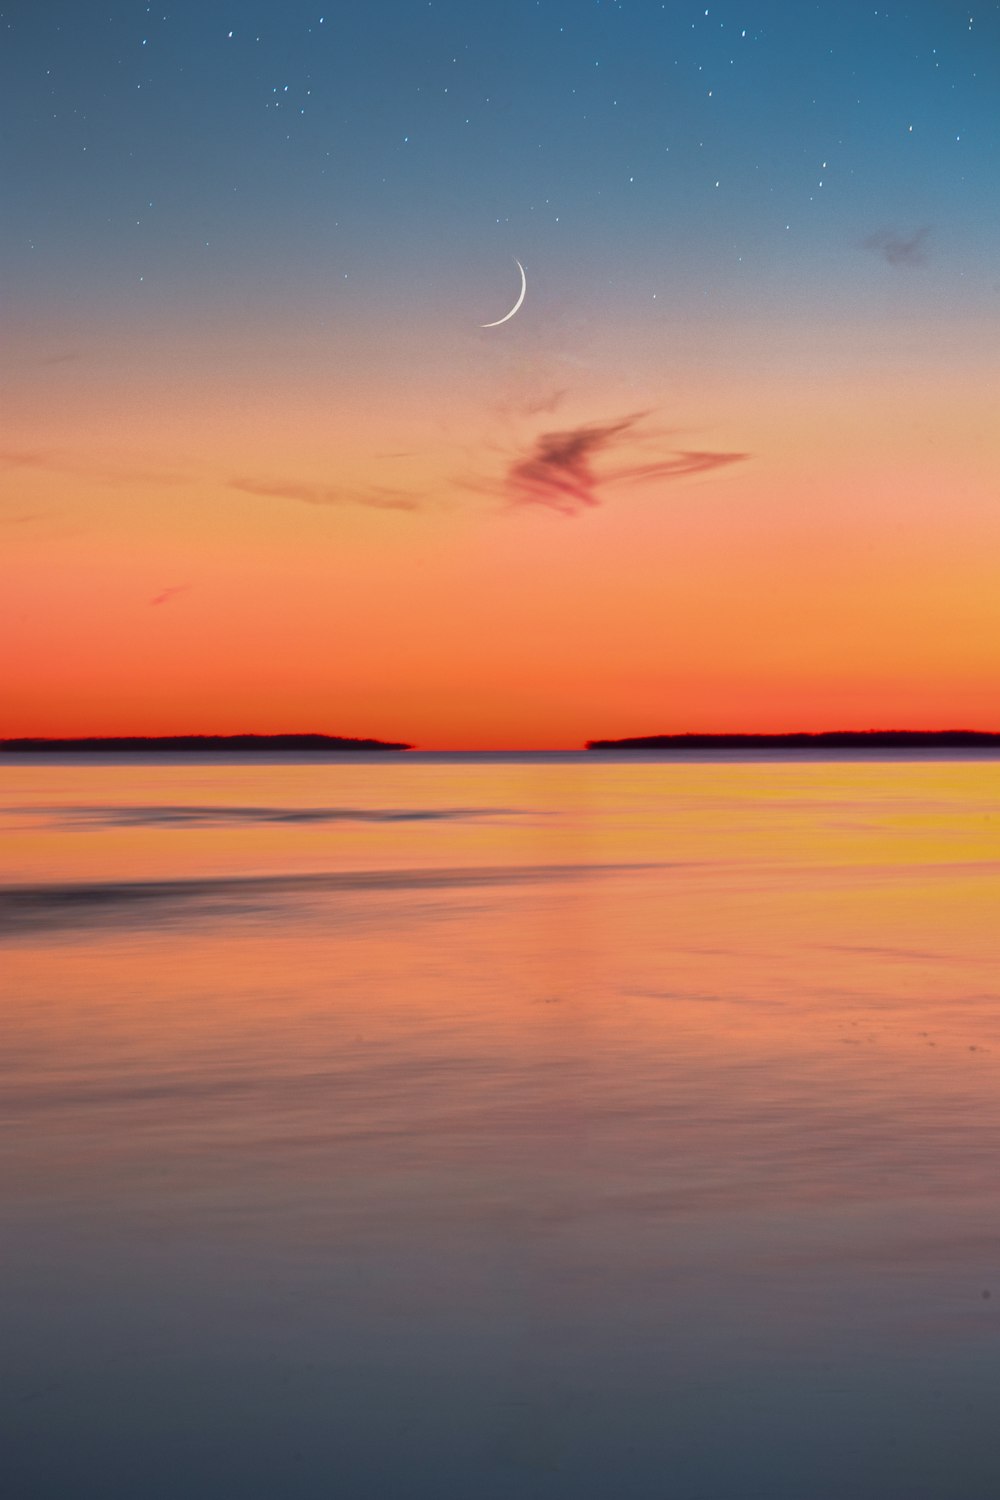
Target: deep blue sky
(146, 141)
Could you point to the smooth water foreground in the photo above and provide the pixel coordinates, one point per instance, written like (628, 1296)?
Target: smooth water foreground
(477, 1127)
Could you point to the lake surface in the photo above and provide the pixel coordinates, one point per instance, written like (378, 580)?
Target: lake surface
(465, 1127)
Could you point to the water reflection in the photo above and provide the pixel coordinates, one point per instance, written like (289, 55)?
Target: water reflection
(485, 1168)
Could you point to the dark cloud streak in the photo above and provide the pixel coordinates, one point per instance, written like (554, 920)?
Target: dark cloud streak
(165, 595)
(559, 472)
(562, 473)
(374, 497)
(899, 249)
(567, 471)
(84, 466)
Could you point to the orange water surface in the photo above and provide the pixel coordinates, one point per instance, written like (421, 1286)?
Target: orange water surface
(464, 1125)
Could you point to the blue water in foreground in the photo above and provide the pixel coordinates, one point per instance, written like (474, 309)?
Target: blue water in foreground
(465, 1126)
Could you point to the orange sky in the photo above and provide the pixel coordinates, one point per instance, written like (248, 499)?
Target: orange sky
(184, 551)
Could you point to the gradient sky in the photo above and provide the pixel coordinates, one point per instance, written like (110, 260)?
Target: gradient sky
(733, 464)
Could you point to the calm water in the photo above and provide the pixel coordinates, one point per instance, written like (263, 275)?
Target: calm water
(467, 1127)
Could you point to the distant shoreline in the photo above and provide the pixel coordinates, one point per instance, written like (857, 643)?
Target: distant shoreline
(312, 746)
(835, 739)
(196, 744)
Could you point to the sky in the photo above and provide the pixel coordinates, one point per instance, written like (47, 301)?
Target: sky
(732, 465)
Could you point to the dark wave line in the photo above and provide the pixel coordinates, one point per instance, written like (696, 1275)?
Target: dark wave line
(123, 816)
(24, 907)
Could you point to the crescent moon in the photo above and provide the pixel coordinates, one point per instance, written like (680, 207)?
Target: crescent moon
(517, 304)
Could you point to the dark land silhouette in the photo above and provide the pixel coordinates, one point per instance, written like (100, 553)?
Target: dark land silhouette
(186, 744)
(831, 739)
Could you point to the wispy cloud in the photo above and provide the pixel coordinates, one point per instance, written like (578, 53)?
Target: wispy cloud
(173, 592)
(559, 471)
(86, 466)
(569, 471)
(375, 497)
(899, 249)
(24, 518)
(23, 458)
(546, 403)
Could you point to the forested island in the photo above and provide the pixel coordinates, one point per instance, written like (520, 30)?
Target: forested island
(832, 739)
(199, 744)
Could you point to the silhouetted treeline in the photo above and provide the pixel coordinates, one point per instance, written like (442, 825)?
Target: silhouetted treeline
(832, 739)
(186, 743)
